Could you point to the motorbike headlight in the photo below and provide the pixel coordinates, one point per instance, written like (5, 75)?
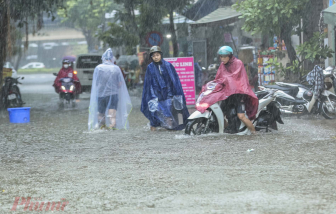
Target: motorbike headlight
(71, 88)
(62, 87)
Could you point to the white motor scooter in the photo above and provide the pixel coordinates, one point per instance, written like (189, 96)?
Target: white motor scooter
(307, 102)
(212, 120)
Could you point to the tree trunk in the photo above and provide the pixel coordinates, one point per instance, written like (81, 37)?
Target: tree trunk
(17, 63)
(103, 21)
(3, 38)
(134, 22)
(90, 40)
(311, 25)
(173, 32)
(312, 18)
(286, 36)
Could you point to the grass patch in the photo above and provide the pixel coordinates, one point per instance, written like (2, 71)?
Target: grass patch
(38, 70)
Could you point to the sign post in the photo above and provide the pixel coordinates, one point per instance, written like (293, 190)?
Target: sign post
(184, 67)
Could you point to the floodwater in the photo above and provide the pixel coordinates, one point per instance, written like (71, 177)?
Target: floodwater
(55, 158)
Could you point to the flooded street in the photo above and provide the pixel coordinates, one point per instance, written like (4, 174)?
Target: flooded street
(55, 158)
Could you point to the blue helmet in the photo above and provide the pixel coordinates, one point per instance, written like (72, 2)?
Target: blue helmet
(225, 50)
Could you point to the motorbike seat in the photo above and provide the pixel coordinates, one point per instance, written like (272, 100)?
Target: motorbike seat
(299, 101)
(291, 90)
(302, 86)
(286, 101)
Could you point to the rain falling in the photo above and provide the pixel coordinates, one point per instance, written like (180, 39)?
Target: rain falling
(179, 106)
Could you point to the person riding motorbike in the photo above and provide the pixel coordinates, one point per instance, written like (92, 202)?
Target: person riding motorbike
(233, 88)
(67, 71)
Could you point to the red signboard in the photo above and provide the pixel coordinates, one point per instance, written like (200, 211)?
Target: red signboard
(184, 67)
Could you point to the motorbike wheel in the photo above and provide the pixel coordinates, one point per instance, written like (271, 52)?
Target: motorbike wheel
(17, 102)
(196, 127)
(61, 104)
(324, 108)
(73, 104)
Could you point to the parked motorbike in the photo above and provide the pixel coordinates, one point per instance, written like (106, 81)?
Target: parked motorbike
(330, 79)
(306, 101)
(212, 120)
(10, 93)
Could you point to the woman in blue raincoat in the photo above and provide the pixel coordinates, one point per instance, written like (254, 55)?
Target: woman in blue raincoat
(110, 103)
(163, 98)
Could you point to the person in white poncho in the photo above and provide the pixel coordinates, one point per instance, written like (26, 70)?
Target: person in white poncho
(110, 103)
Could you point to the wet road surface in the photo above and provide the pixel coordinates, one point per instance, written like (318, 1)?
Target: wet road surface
(55, 158)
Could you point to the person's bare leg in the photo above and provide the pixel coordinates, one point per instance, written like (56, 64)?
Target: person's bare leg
(112, 113)
(225, 123)
(101, 119)
(247, 122)
(152, 128)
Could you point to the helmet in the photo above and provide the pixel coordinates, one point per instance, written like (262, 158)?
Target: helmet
(155, 49)
(225, 50)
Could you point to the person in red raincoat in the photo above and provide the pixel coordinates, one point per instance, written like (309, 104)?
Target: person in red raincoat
(232, 84)
(67, 71)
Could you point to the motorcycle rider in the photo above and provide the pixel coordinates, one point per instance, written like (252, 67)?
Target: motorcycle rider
(226, 57)
(233, 88)
(161, 86)
(67, 71)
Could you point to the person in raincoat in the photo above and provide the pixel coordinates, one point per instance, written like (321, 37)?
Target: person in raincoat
(67, 71)
(163, 98)
(232, 87)
(110, 103)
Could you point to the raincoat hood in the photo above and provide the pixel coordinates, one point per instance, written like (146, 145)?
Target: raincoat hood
(231, 78)
(107, 57)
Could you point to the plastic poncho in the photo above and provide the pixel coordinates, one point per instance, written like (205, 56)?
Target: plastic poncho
(64, 73)
(230, 79)
(163, 98)
(108, 82)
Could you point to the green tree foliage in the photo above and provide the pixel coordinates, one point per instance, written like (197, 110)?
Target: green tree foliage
(133, 25)
(87, 15)
(21, 12)
(274, 17)
(149, 19)
(313, 50)
(117, 36)
(281, 17)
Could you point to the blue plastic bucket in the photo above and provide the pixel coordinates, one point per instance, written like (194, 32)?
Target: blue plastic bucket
(19, 115)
